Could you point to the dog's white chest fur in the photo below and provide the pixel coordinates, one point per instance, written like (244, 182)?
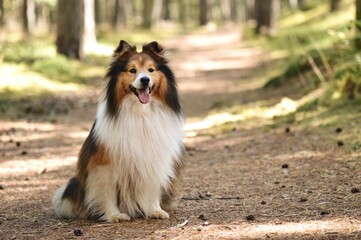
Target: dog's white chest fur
(143, 142)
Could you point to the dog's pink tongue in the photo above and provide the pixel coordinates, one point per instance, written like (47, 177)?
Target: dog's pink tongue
(144, 96)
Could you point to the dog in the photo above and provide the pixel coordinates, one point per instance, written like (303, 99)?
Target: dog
(130, 163)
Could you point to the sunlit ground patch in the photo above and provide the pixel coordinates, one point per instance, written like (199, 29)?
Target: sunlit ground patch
(19, 166)
(16, 78)
(290, 230)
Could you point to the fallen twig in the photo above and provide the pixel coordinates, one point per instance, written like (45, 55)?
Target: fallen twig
(193, 198)
(181, 225)
(208, 198)
(33, 232)
(194, 149)
(228, 198)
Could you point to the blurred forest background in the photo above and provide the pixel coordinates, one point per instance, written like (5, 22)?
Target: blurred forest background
(49, 48)
(317, 40)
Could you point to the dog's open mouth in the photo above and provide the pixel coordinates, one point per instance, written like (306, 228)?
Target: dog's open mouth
(142, 94)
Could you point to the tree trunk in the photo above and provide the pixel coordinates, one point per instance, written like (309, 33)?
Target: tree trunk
(42, 12)
(69, 41)
(242, 16)
(166, 10)
(250, 9)
(119, 18)
(358, 25)
(98, 12)
(28, 13)
(296, 4)
(234, 10)
(203, 14)
(301, 4)
(225, 10)
(335, 5)
(52, 19)
(275, 14)
(182, 8)
(2, 12)
(262, 15)
(267, 12)
(156, 11)
(147, 13)
(210, 11)
(293, 4)
(239, 11)
(89, 38)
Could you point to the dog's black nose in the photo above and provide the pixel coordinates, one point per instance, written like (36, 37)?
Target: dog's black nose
(145, 81)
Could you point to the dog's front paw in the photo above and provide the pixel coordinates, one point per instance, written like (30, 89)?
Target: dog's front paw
(159, 214)
(118, 218)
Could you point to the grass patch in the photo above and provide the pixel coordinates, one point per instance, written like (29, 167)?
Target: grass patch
(55, 66)
(321, 56)
(26, 51)
(35, 81)
(18, 79)
(329, 114)
(315, 40)
(316, 49)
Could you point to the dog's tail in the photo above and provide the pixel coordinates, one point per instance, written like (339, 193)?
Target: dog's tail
(67, 199)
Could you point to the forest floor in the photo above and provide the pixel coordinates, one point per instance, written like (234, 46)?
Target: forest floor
(244, 177)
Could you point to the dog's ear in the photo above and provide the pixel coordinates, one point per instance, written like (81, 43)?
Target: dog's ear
(153, 47)
(155, 50)
(123, 48)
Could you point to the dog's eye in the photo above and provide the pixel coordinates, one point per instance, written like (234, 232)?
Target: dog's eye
(151, 69)
(133, 70)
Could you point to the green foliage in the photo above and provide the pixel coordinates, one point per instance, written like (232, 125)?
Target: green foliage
(36, 82)
(59, 68)
(38, 55)
(348, 76)
(323, 56)
(319, 49)
(26, 51)
(350, 86)
(320, 55)
(291, 70)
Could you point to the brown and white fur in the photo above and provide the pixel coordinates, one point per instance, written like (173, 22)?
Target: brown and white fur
(129, 164)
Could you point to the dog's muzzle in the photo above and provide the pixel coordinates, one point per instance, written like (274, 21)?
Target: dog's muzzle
(142, 94)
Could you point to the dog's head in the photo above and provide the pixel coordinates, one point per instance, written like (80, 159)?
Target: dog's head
(143, 75)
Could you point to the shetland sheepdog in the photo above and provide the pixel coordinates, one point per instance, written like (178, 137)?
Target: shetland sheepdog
(130, 163)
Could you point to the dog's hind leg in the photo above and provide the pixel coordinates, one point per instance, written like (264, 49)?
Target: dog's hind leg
(101, 195)
(68, 200)
(168, 202)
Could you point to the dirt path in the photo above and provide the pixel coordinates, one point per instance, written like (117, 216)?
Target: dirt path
(242, 183)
